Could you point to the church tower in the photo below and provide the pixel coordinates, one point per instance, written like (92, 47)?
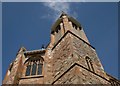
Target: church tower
(69, 58)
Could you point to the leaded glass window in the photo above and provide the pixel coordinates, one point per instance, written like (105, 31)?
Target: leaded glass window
(34, 67)
(28, 70)
(39, 69)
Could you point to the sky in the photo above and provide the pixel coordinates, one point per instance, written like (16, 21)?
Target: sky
(29, 24)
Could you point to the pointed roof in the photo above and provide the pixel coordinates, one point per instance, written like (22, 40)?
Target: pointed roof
(63, 14)
(59, 20)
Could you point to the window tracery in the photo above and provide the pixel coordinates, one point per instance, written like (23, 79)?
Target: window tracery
(34, 66)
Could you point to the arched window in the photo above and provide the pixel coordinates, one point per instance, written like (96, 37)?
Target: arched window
(89, 63)
(34, 66)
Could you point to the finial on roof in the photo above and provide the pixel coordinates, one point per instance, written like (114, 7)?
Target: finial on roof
(63, 14)
(22, 49)
(43, 47)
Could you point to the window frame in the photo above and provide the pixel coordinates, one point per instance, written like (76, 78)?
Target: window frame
(31, 62)
(89, 63)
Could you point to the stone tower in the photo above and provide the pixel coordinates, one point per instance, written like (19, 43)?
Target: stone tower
(69, 58)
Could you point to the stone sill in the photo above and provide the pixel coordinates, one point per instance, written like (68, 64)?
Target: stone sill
(34, 76)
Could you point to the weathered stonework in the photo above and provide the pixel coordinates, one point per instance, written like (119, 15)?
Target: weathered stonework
(62, 56)
(31, 80)
(69, 58)
(78, 75)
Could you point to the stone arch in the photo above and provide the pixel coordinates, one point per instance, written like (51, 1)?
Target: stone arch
(34, 66)
(89, 63)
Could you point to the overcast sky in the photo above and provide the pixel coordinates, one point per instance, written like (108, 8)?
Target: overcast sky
(29, 25)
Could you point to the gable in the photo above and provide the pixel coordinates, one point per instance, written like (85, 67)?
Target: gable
(77, 74)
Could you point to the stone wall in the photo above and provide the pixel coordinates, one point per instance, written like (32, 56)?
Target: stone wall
(32, 80)
(57, 35)
(62, 56)
(70, 50)
(81, 49)
(16, 71)
(79, 75)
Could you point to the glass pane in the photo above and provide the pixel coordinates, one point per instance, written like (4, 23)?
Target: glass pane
(34, 69)
(39, 69)
(28, 70)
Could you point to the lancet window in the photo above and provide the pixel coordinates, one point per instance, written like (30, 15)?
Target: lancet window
(89, 63)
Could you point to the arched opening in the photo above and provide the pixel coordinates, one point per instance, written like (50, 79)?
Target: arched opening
(34, 66)
(89, 63)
